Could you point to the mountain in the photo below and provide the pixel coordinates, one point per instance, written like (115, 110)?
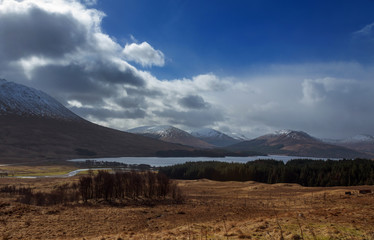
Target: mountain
(360, 142)
(171, 134)
(16, 99)
(295, 143)
(214, 137)
(34, 126)
(240, 137)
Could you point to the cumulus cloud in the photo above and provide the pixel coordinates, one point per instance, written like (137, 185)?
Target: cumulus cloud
(38, 32)
(144, 54)
(59, 47)
(193, 101)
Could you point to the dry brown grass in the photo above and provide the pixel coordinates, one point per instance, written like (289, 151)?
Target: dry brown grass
(213, 210)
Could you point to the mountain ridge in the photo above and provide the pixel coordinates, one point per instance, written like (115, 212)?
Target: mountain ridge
(20, 100)
(171, 134)
(360, 142)
(214, 137)
(296, 143)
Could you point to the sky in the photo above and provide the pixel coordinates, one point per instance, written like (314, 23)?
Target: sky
(240, 67)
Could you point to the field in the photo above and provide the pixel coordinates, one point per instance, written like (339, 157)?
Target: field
(212, 210)
(37, 170)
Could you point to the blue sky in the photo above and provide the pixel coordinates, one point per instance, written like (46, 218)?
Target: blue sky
(227, 37)
(241, 67)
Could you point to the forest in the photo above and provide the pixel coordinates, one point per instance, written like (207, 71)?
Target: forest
(305, 172)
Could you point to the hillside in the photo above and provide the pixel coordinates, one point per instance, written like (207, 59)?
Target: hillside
(361, 142)
(35, 126)
(170, 134)
(214, 137)
(295, 143)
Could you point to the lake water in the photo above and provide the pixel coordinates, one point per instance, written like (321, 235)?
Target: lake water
(162, 162)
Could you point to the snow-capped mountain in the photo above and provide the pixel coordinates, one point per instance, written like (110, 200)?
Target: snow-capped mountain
(25, 101)
(294, 143)
(34, 126)
(214, 137)
(170, 134)
(159, 131)
(289, 135)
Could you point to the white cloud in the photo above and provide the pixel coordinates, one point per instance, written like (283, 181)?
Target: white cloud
(365, 31)
(90, 2)
(144, 54)
(313, 91)
(74, 103)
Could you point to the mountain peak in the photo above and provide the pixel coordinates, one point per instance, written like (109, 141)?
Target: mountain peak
(206, 132)
(170, 134)
(292, 134)
(294, 143)
(159, 130)
(17, 99)
(214, 137)
(283, 132)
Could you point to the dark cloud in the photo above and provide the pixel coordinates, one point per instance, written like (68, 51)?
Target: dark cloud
(87, 85)
(39, 33)
(103, 114)
(71, 82)
(144, 92)
(109, 72)
(193, 102)
(131, 102)
(193, 118)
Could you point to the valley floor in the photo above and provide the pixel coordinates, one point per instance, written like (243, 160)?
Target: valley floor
(213, 210)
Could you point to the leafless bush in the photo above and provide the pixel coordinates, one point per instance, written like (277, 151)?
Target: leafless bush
(122, 186)
(134, 185)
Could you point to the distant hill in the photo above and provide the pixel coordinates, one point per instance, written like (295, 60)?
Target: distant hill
(295, 143)
(214, 137)
(360, 142)
(35, 126)
(171, 134)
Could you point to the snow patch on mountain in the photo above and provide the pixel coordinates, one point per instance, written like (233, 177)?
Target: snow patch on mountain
(207, 132)
(214, 137)
(161, 131)
(25, 101)
(170, 134)
(240, 137)
(283, 132)
(296, 135)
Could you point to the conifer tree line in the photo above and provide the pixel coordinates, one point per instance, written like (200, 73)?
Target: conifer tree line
(302, 171)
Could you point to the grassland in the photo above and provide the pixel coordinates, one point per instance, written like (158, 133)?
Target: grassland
(37, 170)
(212, 210)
